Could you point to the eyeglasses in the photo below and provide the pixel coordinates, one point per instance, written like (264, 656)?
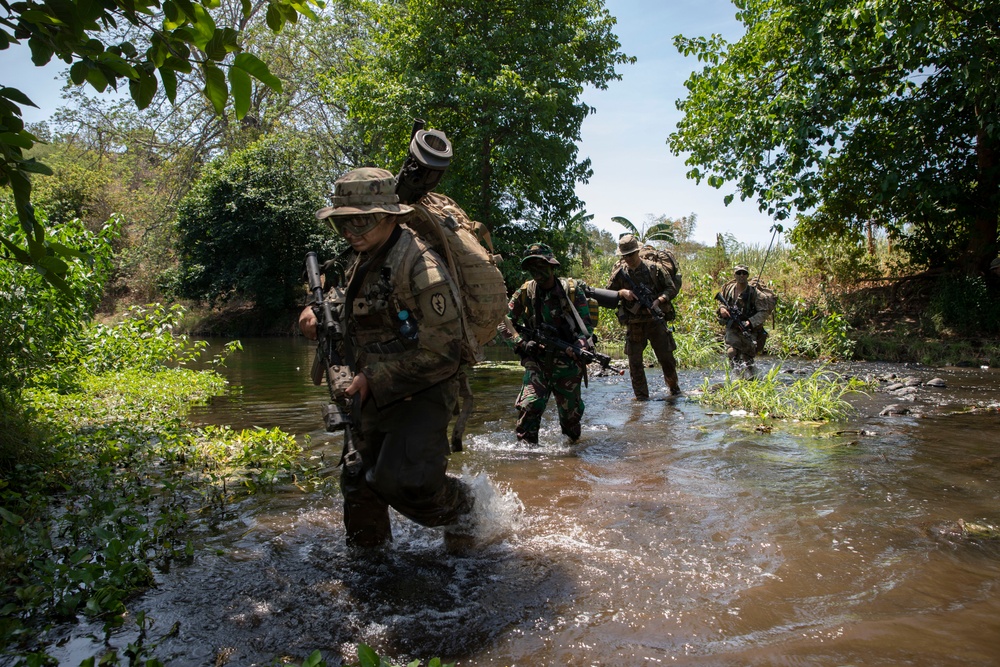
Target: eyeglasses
(742, 273)
(357, 225)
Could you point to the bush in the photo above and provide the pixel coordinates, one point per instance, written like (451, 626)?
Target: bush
(247, 224)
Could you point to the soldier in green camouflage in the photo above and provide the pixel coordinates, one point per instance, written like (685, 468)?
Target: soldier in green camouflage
(401, 324)
(559, 302)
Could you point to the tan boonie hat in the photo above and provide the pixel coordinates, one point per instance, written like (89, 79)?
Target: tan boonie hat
(539, 251)
(995, 264)
(363, 191)
(627, 245)
(740, 267)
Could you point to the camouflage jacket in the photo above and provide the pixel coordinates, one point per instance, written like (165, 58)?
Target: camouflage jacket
(655, 278)
(748, 302)
(529, 303)
(407, 276)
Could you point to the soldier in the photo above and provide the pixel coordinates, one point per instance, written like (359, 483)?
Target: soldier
(401, 320)
(643, 324)
(560, 304)
(744, 309)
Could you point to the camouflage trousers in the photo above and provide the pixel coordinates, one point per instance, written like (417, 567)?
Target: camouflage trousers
(540, 381)
(662, 342)
(740, 347)
(404, 452)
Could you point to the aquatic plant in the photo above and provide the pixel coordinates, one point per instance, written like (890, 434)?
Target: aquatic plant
(817, 397)
(120, 480)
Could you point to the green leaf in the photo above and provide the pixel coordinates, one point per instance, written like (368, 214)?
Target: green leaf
(16, 95)
(256, 68)
(169, 79)
(367, 657)
(239, 83)
(143, 90)
(10, 517)
(202, 27)
(215, 87)
(274, 19)
(315, 659)
(17, 139)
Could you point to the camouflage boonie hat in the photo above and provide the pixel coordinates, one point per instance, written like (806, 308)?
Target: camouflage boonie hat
(995, 264)
(363, 191)
(539, 251)
(627, 245)
(740, 267)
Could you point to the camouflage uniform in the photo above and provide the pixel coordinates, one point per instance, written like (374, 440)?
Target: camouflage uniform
(414, 388)
(549, 372)
(640, 326)
(740, 346)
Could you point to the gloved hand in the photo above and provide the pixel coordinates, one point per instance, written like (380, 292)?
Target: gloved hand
(526, 348)
(656, 308)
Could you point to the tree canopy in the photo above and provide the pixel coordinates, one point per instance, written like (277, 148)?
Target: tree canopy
(147, 43)
(502, 78)
(881, 112)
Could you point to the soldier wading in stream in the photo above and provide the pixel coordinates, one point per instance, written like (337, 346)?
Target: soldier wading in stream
(406, 377)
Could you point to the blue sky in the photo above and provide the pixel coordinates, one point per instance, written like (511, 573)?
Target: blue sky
(635, 175)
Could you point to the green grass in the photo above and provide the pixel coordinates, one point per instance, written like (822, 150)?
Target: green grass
(819, 397)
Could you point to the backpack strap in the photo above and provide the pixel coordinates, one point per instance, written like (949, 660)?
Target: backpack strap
(569, 287)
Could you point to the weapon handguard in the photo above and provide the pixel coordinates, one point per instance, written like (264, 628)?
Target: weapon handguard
(337, 415)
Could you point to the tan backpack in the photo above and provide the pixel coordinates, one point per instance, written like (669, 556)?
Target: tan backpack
(663, 258)
(467, 249)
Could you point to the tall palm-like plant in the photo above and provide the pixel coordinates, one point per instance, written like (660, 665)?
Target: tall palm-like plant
(660, 231)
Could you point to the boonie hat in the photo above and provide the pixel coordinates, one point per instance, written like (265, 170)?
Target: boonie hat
(740, 267)
(627, 245)
(539, 251)
(362, 192)
(995, 264)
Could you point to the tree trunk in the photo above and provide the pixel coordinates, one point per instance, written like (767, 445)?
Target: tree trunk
(983, 235)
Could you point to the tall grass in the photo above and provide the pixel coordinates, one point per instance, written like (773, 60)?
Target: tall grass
(819, 397)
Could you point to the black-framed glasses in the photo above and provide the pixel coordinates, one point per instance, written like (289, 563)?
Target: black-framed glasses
(356, 224)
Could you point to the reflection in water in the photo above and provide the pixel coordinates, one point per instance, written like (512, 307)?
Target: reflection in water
(667, 534)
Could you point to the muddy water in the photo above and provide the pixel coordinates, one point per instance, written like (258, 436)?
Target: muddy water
(668, 535)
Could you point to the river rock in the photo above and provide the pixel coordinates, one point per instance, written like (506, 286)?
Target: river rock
(894, 386)
(912, 382)
(894, 411)
(937, 382)
(905, 391)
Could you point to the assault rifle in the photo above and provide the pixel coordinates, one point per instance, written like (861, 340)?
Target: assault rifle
(736, 318)
(644, 295)
(342, 413)
(547, 337)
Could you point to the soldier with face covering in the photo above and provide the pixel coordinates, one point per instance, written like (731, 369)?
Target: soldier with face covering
(560, 303)
(402, 326)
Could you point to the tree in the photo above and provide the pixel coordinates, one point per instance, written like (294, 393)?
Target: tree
(155, 42)
(656, 229)
(247, 224)
(502, 78)
(875, 113)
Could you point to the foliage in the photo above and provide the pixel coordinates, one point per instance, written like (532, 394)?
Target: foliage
(165, 38)
(961, 305)
(503, 79)
(263, 198)
(818, 397)
(124, 479)
(873, 113)
(35, 318)
(367, 657)
(657, 230)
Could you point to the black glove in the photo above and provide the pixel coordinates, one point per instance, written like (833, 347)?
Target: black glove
(526, 348)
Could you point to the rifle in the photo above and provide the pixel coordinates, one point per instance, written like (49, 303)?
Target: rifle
(644, 295)
(736, 318)
(547, 337)
(342, 413)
